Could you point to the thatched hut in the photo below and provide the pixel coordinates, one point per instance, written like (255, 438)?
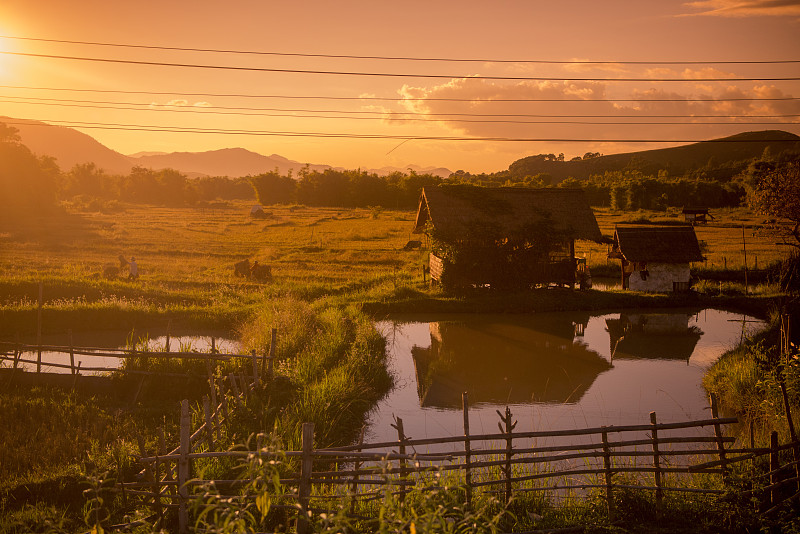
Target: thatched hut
(504, 237)
(655, 258)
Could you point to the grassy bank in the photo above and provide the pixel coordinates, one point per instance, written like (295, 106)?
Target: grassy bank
(333, 272)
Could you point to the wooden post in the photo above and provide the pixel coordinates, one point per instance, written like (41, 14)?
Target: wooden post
(424, 280)
(774, 466)
(467, 449)
(234, 387)
(507, 430)
(354, 483)
(254, 359)
(720, 442)
(213, 345)
(39, 329)
(656, 460)
(71, 353)
(401, 438)
(209, 427)
(304, 489)
(76, 375)
(792, 434)
(609, 477)
(183, 469)
(225, 413)
(166, 345)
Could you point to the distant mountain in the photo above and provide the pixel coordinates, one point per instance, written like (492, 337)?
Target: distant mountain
(69, 147)
(232, 162)
(727, 154)
(436, 171)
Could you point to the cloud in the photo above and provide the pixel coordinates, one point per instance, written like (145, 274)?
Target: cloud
(749, 8)
(585, 110)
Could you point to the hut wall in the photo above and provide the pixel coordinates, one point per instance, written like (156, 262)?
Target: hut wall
(660, 277)
(437, 267)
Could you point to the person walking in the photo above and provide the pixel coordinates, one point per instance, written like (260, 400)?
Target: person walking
(134, 269)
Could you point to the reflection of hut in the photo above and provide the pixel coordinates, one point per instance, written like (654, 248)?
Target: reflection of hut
(505, 362)
(662, 336)
(523, 222)
(655, 258)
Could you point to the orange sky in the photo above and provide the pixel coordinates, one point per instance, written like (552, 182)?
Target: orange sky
(618, 31)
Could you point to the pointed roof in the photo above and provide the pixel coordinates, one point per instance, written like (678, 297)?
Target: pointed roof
(456, 208)
(658, 244)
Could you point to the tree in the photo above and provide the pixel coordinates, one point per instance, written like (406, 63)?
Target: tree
(776, 192)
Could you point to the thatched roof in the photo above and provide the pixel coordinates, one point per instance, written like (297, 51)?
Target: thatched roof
(657, 244)
(453, 210)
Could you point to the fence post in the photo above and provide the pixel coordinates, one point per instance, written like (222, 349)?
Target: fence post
(209, 427)
(774, 466)
(356, 468)
(656, 460)
(720, 444)
(401, 438)
(71, 353)
(608, 475)
(39, 329)
(183, 469)
(467, 448)
(304, 489)
(76, 375)
(509, 427)
(234, 387)
(254, 359)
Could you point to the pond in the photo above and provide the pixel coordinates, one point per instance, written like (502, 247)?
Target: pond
(119, 339)
(555, 370)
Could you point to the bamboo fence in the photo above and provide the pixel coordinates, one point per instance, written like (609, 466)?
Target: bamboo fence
(656, 457)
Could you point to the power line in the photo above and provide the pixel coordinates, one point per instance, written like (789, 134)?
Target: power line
(329, 135)
(400, 99)
(389, 74)
(403, 58)
(210, 110)
(421, 117)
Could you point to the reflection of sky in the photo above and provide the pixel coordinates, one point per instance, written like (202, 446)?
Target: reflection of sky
(625, 394)
(115, 340)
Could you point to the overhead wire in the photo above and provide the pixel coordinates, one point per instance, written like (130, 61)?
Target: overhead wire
(394, 74)
(211, 109)
(404, 58)
(156, 128)
(401, 99)
(423, 117)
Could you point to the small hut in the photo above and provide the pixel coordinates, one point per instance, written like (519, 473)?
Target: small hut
(696, 215)
(504, 237)
(655, 258)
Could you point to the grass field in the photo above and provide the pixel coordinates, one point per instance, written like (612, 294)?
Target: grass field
(328, 267)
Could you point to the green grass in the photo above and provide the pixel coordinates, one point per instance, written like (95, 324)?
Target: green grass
(333, 271)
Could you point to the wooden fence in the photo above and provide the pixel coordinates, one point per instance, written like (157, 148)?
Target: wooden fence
(653, 457)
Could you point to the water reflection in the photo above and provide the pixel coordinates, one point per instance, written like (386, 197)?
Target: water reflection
(556, 370)
(509, 362)
(652, 335)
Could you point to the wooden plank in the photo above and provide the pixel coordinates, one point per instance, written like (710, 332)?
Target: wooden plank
(304, 489)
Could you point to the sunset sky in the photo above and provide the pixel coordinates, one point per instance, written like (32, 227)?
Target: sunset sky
(515, 45)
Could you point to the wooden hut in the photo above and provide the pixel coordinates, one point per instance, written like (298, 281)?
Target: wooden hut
(504, 237)
(696, 215)
(655, 258)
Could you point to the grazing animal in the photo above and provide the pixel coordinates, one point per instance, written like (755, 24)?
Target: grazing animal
(242, 268)
(261, 273)
(412, 245)
(123, 263)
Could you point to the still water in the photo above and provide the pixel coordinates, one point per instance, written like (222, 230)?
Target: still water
(197, 342)
(555, 370)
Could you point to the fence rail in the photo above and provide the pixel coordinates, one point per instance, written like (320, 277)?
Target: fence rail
(505, 463)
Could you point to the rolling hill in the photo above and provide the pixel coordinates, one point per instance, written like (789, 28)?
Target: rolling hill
(729, 153)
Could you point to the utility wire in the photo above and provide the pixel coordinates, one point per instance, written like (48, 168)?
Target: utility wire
(401, 99)
(390, 74)
(327, 135)
(403, 58)
(211, 110)
(420, 117)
